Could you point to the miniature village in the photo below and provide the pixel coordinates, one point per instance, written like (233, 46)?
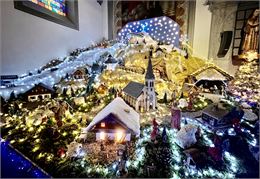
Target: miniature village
(135, 107)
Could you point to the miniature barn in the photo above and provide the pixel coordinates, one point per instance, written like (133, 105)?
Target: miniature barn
(39, 92)
(117, 121)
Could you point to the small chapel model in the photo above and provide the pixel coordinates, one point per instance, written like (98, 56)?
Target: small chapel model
(139, 96)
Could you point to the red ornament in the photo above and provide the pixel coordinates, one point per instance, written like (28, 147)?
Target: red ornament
(153, 135)
(155, 124)
(61, 152)
(155, 130)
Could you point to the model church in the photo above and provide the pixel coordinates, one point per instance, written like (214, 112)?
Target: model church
(142, 97)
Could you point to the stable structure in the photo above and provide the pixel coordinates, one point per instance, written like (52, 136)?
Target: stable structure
(39, 92)
(211, 72)
(142, 96)
(210, 79)
(117, 121)
(189, 89)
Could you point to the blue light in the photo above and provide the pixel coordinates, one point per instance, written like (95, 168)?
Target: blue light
(159, 28)
(16, 166)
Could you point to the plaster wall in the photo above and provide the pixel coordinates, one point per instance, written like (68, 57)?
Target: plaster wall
(201, 32)
(28, 42)
(223, 19)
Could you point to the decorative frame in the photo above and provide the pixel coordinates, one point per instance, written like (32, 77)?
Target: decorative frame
(71, 19)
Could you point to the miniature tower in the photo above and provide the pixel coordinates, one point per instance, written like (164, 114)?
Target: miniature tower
(150, 99)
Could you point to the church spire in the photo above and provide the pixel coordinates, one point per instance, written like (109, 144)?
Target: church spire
(149, 72)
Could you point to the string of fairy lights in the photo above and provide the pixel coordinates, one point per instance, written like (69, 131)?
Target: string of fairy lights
(177, 155)
(50, 78)
(161, 29)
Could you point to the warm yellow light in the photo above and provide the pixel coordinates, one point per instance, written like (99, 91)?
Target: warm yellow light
(103, 124)
(36, 148)
(30, 129)
(40, 155)
(49, 157)
(37, 140)
(102, 135)
(75, 132)
(64, 133)
(119, 136)
(21, 140)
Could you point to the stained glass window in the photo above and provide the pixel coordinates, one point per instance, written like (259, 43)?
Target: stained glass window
(63, 12)
(56, 6)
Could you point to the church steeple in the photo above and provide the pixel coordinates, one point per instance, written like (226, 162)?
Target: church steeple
(149, 72)
(149, 96)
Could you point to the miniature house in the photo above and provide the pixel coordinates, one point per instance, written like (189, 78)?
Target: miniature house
(79, 74)
(111, 63)
(117, 121)
(215, 117)
(140, 96)
(39, 92)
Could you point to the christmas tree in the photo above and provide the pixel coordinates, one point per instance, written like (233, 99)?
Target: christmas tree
(246, 83)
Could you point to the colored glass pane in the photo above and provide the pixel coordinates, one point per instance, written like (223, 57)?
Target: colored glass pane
(56, 6)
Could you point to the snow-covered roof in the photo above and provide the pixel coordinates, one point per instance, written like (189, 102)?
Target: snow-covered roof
(126, 114)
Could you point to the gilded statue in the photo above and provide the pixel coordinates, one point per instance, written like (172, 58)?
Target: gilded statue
(250, 39)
